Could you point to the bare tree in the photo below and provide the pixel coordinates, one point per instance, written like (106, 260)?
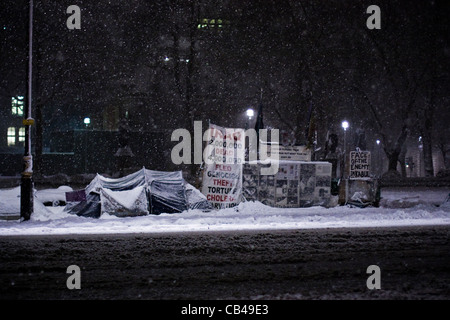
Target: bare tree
(390, 80)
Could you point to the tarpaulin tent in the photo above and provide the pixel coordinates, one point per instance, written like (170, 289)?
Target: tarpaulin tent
(140, 193)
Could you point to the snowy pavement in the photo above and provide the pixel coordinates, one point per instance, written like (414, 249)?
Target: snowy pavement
(399, 207)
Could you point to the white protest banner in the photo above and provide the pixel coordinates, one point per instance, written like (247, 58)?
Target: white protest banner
(359, 164)
(222, 176)
(291, 153)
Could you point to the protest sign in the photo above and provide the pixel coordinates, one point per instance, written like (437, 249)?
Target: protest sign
(359, 164)
(222, 176)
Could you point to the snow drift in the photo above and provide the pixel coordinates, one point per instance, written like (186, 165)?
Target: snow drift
(249, 215)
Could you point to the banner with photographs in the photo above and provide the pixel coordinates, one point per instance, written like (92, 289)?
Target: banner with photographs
(297, 184)
(222, 175)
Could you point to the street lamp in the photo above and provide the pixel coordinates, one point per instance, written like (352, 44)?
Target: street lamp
(250, 113)
(26, 183)
(380, 164)
(345, 126)
(86, 122)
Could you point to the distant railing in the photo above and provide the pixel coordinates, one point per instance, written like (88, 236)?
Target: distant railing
(416, 182)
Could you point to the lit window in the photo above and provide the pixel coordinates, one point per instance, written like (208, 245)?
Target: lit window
(21, 134)
(212, 23)
(11, 136)
(17, 105)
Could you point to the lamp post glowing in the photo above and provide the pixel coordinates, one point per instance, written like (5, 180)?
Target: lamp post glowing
(87, 122)
(250, 113)
(380, 165)
(345, 126)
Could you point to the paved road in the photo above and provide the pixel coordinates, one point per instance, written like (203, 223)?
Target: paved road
(301, 264)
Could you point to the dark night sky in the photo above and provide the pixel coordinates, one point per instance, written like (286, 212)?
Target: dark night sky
(304, 53)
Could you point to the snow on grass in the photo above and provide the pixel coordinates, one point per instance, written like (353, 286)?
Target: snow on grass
(246, 216)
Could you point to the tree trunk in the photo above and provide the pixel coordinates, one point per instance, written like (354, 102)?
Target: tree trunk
(427, 148)
(444, 152)
(395, 153)
(402, 161)
(446, 160)
(428, 158)
(392, 160)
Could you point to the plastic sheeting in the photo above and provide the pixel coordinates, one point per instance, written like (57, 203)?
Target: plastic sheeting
(167, 197)
(196, 199)
(89, 208)
(126, 203)
(142, 192)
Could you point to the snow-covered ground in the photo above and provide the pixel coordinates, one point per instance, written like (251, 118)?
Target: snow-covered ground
(399, 207)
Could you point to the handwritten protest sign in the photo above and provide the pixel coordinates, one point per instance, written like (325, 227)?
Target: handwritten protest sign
(222, 177)
(359, 164)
